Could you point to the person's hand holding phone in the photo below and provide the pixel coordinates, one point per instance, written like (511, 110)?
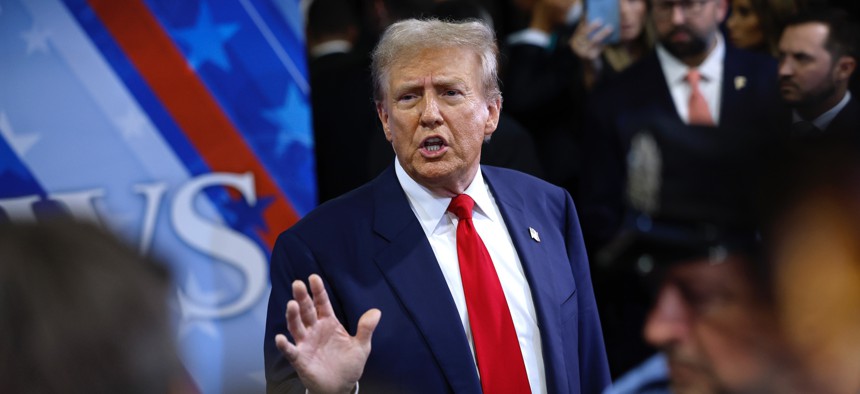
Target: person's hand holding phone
(589, 39)
(588, 42)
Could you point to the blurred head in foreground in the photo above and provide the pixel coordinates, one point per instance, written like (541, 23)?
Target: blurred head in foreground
(713, 318)
(813, 229)
(80, 312)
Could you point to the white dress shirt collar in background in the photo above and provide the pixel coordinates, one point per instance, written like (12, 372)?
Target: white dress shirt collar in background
(329, 47)
(531, 37)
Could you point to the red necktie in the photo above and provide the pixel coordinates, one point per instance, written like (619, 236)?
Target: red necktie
(699, 113)
(497, 349)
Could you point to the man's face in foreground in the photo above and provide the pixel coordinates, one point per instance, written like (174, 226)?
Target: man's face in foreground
(716, 331)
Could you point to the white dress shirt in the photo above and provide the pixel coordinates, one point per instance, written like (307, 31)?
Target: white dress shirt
(710, 85)
(440, 227)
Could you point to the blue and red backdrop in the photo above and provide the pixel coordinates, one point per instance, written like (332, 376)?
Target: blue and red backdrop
(183, 126)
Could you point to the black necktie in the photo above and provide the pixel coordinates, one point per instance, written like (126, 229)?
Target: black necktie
(803, 129)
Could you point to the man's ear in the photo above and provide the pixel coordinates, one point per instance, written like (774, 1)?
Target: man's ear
(845, 67)
(494, 109)
(383, 118)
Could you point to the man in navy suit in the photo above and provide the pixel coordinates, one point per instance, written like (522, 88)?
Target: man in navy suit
(691, 118)
(818, 55)
(382, 260)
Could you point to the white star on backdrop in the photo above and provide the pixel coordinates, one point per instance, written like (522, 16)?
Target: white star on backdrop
(130, 123)
(21, 144)
(36, 39)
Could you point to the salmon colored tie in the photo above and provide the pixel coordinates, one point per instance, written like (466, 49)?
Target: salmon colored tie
(500, 361)
(699, 113)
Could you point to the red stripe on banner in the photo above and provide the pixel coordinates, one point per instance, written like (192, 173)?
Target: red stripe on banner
(186, 98)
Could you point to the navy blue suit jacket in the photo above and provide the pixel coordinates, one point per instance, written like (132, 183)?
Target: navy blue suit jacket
(371, 252)
(751, 117)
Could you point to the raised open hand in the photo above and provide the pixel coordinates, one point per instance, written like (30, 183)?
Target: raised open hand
(326, 357)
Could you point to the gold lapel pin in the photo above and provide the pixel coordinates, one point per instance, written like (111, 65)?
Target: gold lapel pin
(740, 82)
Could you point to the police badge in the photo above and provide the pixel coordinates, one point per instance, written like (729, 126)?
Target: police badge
(644, 166)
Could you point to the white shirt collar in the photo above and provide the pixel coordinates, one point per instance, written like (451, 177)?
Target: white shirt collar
(822, 122)
(530, 36)
(329, 47)
(430, 208)
(711, 68)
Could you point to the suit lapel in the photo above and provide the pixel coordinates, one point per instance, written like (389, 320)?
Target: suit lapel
(730, 96)
(537, 266)
(518, 221)
(663, 100)
(411, 270)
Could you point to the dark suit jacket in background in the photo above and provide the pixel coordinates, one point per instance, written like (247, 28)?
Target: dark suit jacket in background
(344, 120)
(843, 129)
(543, 90)
(847, 121)
(371, 252)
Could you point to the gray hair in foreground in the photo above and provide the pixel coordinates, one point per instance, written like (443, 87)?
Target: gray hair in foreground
(410, 37)
(82, 312)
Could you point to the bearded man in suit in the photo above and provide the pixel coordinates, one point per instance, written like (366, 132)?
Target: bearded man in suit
(818, 56)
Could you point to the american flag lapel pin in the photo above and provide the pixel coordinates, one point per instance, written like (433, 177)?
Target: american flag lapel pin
(534, 234)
